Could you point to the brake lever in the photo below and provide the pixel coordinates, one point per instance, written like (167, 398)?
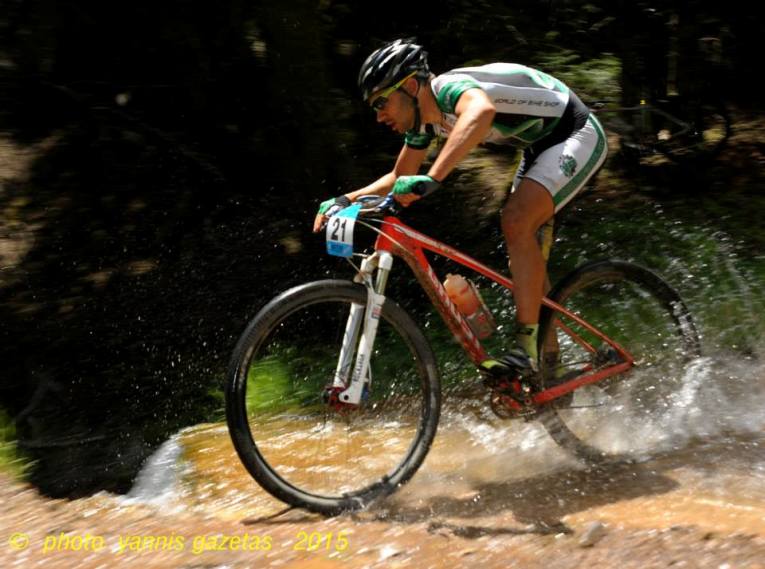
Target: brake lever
(388, 205)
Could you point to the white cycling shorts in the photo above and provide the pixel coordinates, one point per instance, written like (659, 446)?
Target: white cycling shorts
(565, 168)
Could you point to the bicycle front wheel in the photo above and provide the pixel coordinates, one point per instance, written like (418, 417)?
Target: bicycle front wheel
(313, 454)
(637, 309)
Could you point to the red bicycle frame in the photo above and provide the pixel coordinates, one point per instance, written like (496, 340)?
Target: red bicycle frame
(402, 241)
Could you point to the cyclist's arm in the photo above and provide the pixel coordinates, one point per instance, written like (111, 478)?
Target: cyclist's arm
(475, 113)
(408, 163)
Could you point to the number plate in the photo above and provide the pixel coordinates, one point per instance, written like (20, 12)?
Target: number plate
(340, 231)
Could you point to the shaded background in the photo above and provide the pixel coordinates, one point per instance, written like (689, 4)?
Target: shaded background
(161, 165)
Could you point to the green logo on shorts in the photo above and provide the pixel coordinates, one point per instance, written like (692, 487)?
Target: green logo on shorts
(567, 165)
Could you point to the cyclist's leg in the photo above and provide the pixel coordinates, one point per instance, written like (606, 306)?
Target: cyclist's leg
(527, 209)
(546, 233)
(561, 171)
(546, 238)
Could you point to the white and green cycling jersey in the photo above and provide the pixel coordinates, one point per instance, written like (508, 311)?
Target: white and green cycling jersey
(563, 143)
(529, 103)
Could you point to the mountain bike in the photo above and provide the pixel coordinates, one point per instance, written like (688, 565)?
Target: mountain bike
(684, 131)
(334, 394)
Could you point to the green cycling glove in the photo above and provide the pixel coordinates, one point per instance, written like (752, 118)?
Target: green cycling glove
(331, 206)
(417, 185)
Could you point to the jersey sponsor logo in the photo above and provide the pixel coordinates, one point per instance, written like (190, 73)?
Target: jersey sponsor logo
(527, 102)
(567, 165)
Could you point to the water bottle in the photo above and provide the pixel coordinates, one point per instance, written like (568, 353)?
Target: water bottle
(464, 294)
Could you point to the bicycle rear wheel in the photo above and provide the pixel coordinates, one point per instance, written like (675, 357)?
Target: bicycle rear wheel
(637, 309)
(301, 449)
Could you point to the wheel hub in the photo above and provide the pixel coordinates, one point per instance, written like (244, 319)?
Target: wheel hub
(331, 398)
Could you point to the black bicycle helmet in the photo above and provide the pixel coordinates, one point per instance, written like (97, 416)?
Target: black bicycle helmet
(390, 64)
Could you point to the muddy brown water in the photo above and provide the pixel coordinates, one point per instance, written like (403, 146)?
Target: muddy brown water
(491, 492)
(701, 463)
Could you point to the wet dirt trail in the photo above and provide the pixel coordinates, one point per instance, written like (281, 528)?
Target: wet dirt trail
(655, 514)
(480, 499)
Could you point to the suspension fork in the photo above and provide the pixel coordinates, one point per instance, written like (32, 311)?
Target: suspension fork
(369, 315)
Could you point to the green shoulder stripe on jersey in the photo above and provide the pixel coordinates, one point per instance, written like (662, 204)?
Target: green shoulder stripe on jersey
(450, 93)
(547, 81)
(560, 86)
(542, 79)
(539, 77)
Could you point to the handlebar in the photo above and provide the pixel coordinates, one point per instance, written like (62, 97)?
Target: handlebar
(378, 205)
(372, 205)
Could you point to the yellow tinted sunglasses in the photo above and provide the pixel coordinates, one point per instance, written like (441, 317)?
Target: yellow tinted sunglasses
(379, 102)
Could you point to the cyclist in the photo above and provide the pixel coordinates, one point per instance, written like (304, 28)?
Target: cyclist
(499, 103)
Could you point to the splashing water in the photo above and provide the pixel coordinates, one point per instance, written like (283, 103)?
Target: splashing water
(717, 405)
(159, 481)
